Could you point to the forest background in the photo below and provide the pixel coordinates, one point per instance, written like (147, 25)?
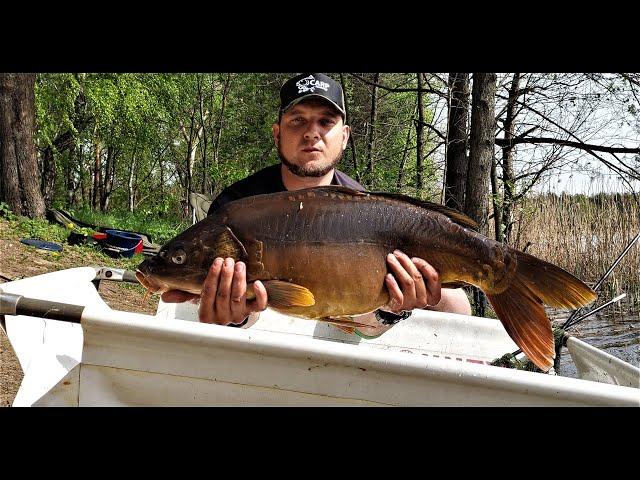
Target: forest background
(548, 163)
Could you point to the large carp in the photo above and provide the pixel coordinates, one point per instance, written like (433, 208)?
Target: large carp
(321, 253)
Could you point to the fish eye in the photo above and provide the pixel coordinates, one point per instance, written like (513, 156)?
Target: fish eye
(179, 257)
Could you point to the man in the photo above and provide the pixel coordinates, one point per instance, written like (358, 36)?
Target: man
(311, 137)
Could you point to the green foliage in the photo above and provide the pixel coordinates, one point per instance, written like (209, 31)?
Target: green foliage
(55, 96)
(5, 212)
(131, 263)
(160, 229)
(395, 135)
(84, 230)
(144, 128)
(223, 175)
(508, 360)
(40, 229)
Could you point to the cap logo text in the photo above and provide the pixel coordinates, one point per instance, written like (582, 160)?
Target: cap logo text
(309, 84)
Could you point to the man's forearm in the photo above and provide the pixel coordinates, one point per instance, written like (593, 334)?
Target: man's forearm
(453, 300)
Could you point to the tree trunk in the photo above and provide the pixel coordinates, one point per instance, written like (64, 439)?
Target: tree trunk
(371, 129)
(67, 142)
(351, 141)
(70, 182)
(105, 179)
(205, 124)
(109, 176)
(193, 139)
(508, 179)
(17, 147)
(457, 160)
(192, 158)
(85, 197)
(419, 148)
(97, 175)
(63, 142)
(10, 184)
(131, 185)
(496, 201)
(216, 151)
(161, 186)
(481, 152)
(48, 176)
(8, 144)
(404, 156)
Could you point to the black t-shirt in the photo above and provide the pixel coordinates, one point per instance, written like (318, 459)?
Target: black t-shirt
(269, 180)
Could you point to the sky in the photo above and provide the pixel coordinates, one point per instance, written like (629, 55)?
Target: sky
(609, 123)
(577, 182)
(597, 123)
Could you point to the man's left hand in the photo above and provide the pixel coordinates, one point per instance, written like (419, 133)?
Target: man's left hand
(412, 283)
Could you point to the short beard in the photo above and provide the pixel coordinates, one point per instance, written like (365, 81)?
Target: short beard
(306, 171)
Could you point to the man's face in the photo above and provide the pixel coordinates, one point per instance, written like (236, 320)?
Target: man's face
(311, 138)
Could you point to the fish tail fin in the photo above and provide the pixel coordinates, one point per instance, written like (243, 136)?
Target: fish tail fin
(520, 307)
(523, 317)
(553, 285)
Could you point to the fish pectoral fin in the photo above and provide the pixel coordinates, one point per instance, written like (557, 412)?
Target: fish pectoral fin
(286, 294)
(344, 321)
(344, 324)
(347, 330)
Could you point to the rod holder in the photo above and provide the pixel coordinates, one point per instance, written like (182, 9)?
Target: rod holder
(12, 304)
(9, 303)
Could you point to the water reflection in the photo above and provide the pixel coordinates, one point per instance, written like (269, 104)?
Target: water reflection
(615, 330)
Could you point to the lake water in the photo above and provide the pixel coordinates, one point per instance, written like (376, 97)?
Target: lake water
(615, 330)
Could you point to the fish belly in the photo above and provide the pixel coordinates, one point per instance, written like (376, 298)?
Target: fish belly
(345, 278)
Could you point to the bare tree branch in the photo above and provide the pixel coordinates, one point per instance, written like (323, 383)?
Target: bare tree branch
(618, 170)
(632, 81)
(583, 146)
(397, 90)
(430, 127)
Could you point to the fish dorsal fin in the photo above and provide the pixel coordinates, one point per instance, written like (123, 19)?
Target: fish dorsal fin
(454, 215)
(285, 294)
(338, 189)
(228, 245)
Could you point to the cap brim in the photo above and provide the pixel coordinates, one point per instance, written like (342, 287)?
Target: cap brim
(310, 95)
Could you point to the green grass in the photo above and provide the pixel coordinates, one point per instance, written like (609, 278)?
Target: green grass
(39, 229)
(19, 227)
(36, 228)
(161, 229)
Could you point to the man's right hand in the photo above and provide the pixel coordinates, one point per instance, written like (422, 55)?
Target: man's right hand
(223, 299)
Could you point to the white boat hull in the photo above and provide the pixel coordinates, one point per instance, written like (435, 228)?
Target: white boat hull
(121, 358)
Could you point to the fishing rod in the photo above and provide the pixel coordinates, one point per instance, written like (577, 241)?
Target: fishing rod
(570, 320)
(561, 340)
(595, 310)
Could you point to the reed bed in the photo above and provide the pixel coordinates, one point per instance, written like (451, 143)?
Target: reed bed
(584, 235)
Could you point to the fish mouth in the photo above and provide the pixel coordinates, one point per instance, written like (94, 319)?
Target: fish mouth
(151, 284)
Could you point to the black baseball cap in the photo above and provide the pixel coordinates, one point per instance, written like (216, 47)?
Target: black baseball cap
(307, 85)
